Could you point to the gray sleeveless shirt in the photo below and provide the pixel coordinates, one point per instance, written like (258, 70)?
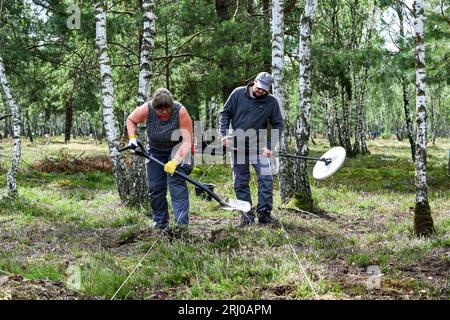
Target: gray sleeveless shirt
(159, 132)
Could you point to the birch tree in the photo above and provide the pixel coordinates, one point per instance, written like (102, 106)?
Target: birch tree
(284, 175)
(346, 96)
(404, 81)
(360, 145)
(423, 222)
(302, 197)
(139, 187)
(147, 46)
(107, 88)
(12, 172)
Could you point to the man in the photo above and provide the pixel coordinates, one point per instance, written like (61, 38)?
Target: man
(249, 110)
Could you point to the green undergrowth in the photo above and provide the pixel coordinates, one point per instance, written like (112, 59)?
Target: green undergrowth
(362, 217)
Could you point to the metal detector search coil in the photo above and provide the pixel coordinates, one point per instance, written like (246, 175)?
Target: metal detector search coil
(323, 170)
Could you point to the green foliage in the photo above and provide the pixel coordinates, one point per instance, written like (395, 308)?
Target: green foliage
(200, 54)
(31, 270)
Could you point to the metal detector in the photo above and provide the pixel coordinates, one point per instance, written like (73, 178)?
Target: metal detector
(324, 169)
(229, 204)
(326, 165)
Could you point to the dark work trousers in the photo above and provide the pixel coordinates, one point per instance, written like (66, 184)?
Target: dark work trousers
(241, 178)
(158, 180)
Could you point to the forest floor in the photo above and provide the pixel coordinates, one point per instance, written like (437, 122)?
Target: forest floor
(66, 235)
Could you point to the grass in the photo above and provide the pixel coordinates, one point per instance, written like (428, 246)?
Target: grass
(62, 220)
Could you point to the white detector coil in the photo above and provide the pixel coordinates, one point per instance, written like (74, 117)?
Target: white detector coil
(322, 170)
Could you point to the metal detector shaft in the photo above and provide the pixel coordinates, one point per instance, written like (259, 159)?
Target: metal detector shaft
(326, 160)
(177, 172)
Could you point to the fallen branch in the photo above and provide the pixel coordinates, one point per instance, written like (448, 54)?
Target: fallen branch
(5, 116)
(76, 159)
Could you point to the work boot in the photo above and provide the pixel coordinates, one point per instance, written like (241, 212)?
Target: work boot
(247, 218)
(264, 217)
(181, 231)
(162, 230)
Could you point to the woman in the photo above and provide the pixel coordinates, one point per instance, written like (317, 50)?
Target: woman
(170, 138)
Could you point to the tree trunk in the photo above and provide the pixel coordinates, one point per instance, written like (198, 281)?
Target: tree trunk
(211, 110)
(302, 197)
(423, 221)
(148, 44)
(12, 172)
(28, 125)
(47, 121)
(166, 50)
(109, 121)
(69, 120)
(222, 9)
(346, 131)
(139, 195)
(285, 172)
(404, 81)
(360, 146)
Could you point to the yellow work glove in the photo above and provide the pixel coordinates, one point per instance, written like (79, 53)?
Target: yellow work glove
(171, 166)
(132, 143)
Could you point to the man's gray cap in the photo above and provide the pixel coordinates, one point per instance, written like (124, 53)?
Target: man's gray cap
(264, 80)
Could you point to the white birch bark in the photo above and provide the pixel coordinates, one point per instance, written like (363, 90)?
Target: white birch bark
(284, 176)
(148, 44)
(423, 222)
(303, 197)
(421, 108)
(404, 80)
(12, 172)
(139, 188)
(107, 88)
(278, 54)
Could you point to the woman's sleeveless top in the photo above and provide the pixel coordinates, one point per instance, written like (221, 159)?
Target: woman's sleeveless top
(160, 132)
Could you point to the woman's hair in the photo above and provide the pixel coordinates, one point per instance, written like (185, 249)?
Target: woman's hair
(162, 98)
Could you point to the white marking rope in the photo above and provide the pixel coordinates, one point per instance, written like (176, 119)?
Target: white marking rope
(298, 260)
(136, 267)
(295, 253)
(142, 259)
